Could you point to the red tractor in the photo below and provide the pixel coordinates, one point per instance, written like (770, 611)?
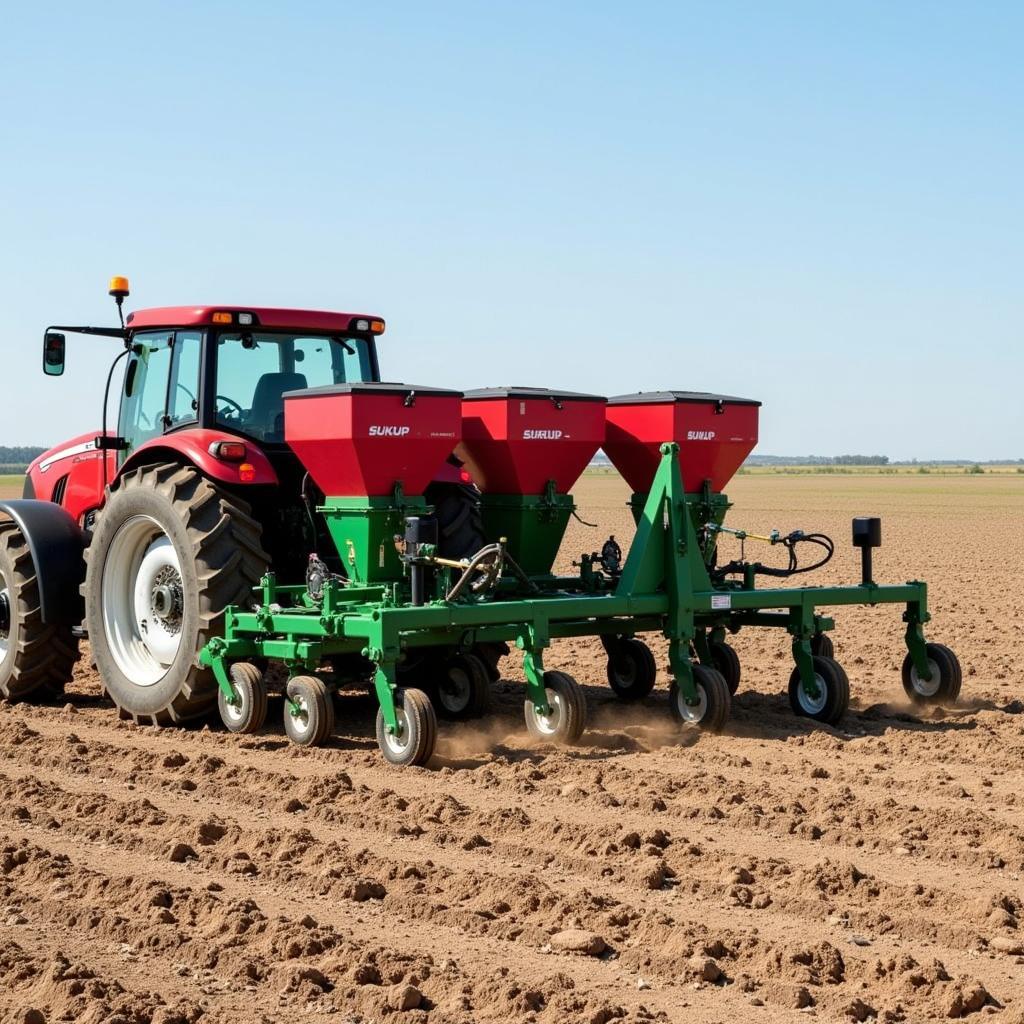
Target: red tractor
(139, 537)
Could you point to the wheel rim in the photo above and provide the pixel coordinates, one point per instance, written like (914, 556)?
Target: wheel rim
(549, 724)
(926, 687)
(812, 705)
(693, 713)
(299, 714)
(236, 712)
(142, 600)
(5, 619)
(398, 743)
(455, 690)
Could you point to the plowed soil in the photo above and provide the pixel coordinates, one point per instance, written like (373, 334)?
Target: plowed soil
(777, 871)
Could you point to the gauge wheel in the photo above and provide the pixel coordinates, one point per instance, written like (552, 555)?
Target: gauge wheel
(946, 677)
(631, 669)
(416, 738)
(821, 645)
(463, 688)
(833, 697)
(248, 712)
(711, 711)
(308, 711)
(567, 714)
(725, 659)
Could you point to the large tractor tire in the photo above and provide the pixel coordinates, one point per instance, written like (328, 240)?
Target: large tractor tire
(169, 552)
(460, 534)
(36, 659)
(460, 528)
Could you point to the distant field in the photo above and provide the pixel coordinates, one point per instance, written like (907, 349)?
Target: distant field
(921, 469)
(11, 484)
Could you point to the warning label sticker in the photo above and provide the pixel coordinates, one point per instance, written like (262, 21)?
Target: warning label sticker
(721, 602)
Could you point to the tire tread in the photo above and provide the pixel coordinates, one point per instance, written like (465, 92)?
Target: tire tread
(43, 660)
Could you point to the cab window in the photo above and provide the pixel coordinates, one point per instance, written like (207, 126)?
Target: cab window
(256, 369)
(161, 385)
(183, 396)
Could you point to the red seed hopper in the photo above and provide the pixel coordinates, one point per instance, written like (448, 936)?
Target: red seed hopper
(360, 439)
(715, 433)
(516, 439)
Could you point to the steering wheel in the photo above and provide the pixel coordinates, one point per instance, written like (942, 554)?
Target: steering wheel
(237, 411)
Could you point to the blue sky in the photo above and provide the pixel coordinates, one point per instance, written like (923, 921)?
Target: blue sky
(815, 204)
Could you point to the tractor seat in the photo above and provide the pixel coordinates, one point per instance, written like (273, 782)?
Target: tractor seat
(266, 417)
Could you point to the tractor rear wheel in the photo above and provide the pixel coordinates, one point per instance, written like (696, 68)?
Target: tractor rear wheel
(460, 527)
(170, 551)
(36, 659)
(460, 534)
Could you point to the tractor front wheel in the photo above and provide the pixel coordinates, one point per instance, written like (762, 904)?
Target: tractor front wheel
(36, 659)
(170, 551)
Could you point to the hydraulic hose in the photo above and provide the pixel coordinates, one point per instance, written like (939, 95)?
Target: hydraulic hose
(491, 572)
(790, 543)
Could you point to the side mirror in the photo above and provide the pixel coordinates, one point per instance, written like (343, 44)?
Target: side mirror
(53, 354)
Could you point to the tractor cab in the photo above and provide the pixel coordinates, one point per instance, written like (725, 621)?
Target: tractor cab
(230, 376)
(207, 382)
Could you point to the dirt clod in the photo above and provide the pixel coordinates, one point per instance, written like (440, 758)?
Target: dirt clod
(181, 852)
(859, 1011)
(967, 997)
(405, 997)
(704, 968)
(1007, 945)
(578, 940)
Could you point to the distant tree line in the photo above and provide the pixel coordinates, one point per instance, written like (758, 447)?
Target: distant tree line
(818, 460)
(22, 454)
(16, 459)
(860, 460)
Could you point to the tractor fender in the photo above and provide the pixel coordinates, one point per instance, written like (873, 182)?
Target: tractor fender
(55, 543)
(194, 446)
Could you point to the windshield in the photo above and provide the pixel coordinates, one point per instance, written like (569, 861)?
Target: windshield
(254, 370)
